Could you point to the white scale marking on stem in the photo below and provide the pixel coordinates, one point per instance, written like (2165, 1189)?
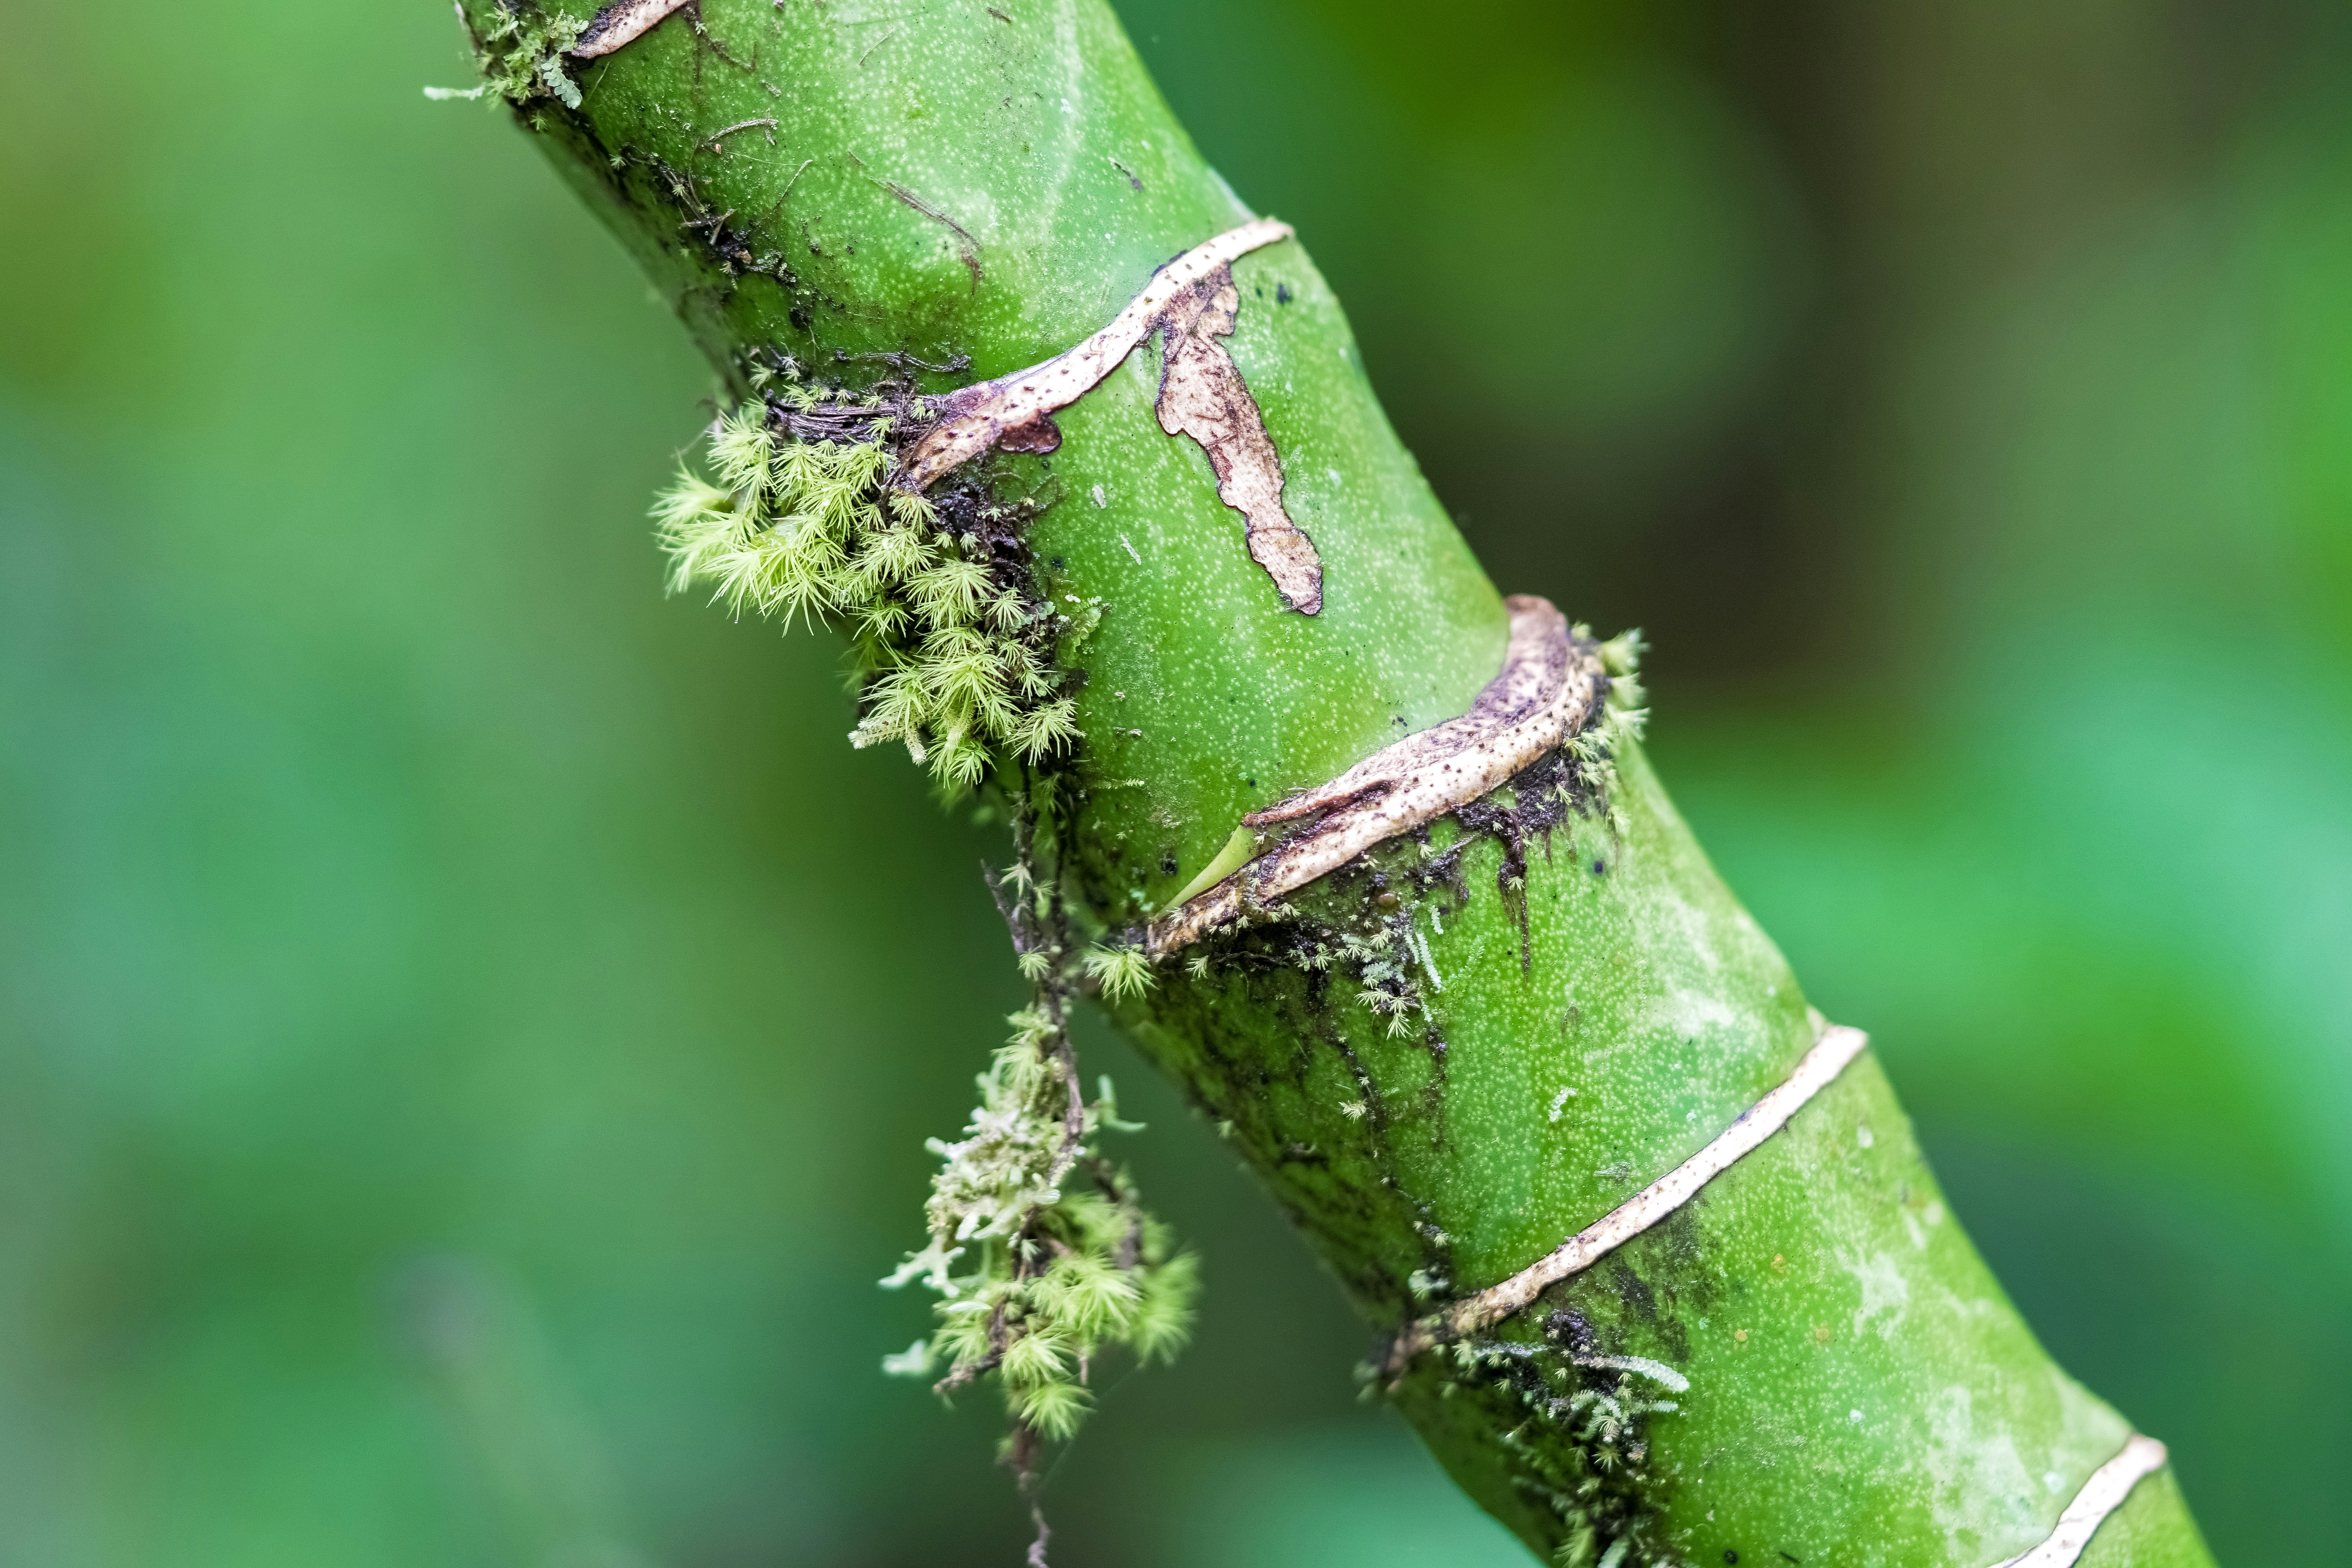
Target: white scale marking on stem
(1836, 1047)
(1550, 688)
(1202, 395)
(2104, 1493)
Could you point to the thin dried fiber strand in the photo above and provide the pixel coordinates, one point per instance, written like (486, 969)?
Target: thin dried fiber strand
(1832, 1052)
(2104, 1493)
(1550, 686)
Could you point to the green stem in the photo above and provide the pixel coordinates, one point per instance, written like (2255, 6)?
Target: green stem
(1565, 1002)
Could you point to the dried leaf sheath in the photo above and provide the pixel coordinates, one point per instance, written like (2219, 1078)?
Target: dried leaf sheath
(972, 420)
(1550, 686)
(1192, 304)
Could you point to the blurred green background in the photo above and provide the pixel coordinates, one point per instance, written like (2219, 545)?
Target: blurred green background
(468, 1023)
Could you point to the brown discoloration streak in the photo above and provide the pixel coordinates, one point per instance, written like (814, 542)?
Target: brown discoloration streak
(620, 24)
(968, 248)
(1202, 395)
(1181, 302)
(1550, 686)
(1040, 436)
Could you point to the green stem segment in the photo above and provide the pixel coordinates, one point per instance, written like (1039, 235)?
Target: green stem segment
(1473, 1041)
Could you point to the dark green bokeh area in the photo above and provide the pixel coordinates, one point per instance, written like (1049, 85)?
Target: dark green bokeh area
(468, 1024)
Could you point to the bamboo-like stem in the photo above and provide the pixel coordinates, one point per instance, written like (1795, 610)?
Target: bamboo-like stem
(1473, 1040)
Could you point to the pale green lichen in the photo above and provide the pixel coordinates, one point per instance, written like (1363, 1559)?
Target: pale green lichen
(1036, 1279)
(1037, 1282)
(1382, 964)
(1040, 1309)
(953, 652)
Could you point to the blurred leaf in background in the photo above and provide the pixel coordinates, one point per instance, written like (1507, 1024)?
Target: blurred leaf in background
(468, 1024)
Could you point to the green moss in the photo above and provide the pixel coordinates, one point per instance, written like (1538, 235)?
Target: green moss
(1039, 1247)
(1036, 1282)
(521, 54)
(951, 645)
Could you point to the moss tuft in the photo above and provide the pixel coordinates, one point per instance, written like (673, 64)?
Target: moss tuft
(521, 57)
(1121, 971)
(1036, 1282)
(951, 647)
(1039, 1247)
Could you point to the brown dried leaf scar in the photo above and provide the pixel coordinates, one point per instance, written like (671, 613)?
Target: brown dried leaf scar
(620, 24)
(1192, 304)
(1549, 689)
